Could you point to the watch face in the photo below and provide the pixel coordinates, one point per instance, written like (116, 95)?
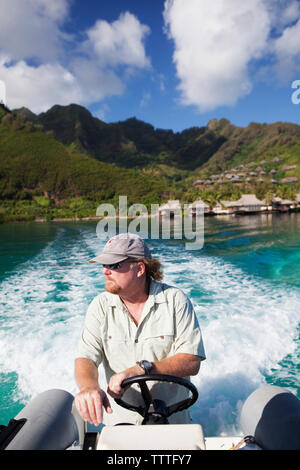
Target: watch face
(147, 366)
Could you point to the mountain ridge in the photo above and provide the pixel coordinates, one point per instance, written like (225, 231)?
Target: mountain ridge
(134, 143)
(65, 159)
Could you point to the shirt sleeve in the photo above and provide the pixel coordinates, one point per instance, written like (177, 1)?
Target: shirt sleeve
(90, 345)
(188, 338)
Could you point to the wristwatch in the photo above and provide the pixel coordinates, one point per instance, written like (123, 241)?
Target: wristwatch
(146, 365)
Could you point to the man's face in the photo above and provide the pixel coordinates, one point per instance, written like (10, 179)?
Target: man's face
(118, 281)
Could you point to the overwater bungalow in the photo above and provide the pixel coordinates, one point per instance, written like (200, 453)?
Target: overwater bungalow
(199, 207)
(247, 203)
(171, 208)
(282, 205)
(219, 209)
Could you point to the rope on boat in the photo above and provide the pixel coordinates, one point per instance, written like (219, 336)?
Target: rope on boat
(246, 440)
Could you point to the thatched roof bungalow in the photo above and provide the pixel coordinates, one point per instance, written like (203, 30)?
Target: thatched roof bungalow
(199, 207)
(171, 208)
(282, 205)
(247, 203)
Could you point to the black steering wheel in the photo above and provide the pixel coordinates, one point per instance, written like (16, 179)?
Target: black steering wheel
(156, 411)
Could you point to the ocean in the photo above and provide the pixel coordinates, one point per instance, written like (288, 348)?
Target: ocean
(244, 284)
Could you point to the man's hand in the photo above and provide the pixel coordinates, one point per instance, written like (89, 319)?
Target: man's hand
(114, 387)
(180, 365)
(90, 403)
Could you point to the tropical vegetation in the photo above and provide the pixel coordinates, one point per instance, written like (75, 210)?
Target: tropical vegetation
(65, 162)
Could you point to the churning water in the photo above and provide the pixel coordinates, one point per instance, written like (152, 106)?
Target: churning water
(244, 284)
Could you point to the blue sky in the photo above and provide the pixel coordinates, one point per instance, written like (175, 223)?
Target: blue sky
(172, 63)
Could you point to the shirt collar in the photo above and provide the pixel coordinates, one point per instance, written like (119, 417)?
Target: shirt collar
(157, 292)
(156, 295)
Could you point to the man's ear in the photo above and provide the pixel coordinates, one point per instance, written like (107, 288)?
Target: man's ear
(141, 269)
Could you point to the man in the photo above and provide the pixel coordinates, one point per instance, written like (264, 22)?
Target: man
(137, 326)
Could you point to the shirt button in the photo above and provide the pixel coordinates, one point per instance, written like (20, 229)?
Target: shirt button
(136, 340)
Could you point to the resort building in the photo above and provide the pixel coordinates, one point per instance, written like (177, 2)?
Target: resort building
(247, 203)
(218, 209)
(282, 205)
(171, 208)
(199, 207)
(290, 179)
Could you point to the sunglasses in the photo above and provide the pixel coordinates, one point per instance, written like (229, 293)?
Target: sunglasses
(114, 266)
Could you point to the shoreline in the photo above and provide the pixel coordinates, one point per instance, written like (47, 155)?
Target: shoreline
(149, 216)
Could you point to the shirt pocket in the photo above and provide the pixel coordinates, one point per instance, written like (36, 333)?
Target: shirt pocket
(118, 352)
(157, 345)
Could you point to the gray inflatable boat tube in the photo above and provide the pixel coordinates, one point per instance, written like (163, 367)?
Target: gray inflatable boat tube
(272, 415)
(50, 423)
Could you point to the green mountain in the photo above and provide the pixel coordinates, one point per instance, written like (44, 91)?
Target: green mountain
(131, 143)
(253, 143)
(134, 143)
(37, 172)
(67, 161)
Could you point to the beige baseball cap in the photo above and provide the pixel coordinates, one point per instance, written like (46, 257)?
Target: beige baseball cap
(121, 247)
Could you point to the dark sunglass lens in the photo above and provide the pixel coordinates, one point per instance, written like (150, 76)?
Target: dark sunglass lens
(111, 266)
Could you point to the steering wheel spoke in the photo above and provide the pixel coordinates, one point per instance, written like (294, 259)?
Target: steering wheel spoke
(146, 394)
(179, 406)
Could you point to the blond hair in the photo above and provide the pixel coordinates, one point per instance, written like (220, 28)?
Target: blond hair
(153, 267)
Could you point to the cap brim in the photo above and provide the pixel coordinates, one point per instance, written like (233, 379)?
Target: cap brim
(108, 258)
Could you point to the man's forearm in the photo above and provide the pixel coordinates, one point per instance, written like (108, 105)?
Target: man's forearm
(180, 365)
(90, 400)
(86, 374)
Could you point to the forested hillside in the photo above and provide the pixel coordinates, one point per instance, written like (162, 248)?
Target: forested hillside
(65, 162)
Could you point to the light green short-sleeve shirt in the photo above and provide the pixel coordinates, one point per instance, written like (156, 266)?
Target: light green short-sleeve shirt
(110, 337)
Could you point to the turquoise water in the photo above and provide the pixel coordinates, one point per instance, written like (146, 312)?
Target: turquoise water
(244, 284)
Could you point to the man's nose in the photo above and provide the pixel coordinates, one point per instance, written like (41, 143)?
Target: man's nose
(106, 270)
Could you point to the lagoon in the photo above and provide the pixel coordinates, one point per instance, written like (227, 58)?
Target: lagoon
(244, 284)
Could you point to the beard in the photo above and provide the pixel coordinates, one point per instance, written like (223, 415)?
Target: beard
(111, 286)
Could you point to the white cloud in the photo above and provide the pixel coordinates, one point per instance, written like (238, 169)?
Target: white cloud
(287, 51)
(145, 99)
(2, 92)
(30, 30)
(282, 13)
(42, 66)
(57, 10)
(218, 45)
(119, 43)
(38, 88)
(95, 82)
